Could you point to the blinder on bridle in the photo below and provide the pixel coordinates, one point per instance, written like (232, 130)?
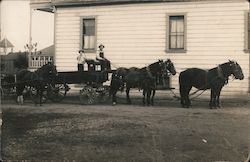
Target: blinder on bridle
(236, 70)
(170, 67)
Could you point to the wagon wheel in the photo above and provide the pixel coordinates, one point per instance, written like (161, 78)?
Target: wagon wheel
(58, 92)
(87, 95)
(103, 94)
(35, 96)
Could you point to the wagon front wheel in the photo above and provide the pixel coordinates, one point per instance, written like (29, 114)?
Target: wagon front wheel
(58, 92)
(35, 97)
(87, 95)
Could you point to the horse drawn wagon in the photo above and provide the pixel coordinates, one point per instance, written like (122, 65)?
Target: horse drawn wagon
(91, 82)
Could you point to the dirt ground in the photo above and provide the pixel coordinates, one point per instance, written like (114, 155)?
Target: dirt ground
(125, 133)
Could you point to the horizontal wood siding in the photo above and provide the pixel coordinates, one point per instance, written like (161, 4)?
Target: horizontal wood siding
(135, 35)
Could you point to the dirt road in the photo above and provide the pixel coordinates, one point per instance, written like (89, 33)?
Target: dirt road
(125, 133)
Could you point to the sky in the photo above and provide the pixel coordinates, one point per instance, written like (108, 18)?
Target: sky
(15, 24)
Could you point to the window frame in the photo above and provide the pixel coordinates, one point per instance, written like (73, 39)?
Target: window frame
(168, 50)
(246, 35)
(82, 18)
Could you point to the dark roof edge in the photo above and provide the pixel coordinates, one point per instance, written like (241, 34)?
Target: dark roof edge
(117, 2)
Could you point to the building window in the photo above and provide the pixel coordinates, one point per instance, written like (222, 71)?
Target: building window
(88, 36)
(176, 35)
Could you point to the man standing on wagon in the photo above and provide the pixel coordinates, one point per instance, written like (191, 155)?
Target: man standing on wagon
(81, 59)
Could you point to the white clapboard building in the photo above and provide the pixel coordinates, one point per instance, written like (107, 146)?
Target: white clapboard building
(192, 33)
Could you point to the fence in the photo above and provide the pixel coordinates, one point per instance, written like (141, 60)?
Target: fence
(39, 61)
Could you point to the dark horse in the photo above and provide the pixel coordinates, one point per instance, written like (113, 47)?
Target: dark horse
(213, 79)
(144, 78)
(37, 79)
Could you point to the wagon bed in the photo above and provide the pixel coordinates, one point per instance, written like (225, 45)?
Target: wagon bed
(77, 77)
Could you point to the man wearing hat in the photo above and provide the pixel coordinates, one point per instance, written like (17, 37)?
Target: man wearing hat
(81, 59)
(105, 63)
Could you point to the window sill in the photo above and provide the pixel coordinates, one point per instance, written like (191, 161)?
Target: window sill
(176, 51)
(246, 50)
(89, 51)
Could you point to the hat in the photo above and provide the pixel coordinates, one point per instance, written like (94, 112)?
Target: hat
(101, 46)
(81, 51)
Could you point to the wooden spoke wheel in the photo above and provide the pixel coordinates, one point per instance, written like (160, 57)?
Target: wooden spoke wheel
(87, 95)
(58, 92)
(103, 94)
(35, 97)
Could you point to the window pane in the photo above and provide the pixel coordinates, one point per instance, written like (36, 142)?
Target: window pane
(173, 26)
(180, 26)
(172, 42)
(89, 26)
(180, 42)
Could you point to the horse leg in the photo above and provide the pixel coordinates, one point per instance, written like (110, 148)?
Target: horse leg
(40, 96)
(21, 99)
(182, 90)
(188, 102)
(143, 99)
(212, 99)
(218, 104)
(19, 92)
(152, 98)
(113, 93)
(127, 93)
(148, 96)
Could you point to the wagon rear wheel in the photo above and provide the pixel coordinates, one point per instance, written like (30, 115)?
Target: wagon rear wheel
(87, 95)
(58, 92)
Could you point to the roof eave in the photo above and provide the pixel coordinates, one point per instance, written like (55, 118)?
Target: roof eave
(111, 2)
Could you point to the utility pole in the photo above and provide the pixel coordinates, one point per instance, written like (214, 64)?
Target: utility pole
(30, 38)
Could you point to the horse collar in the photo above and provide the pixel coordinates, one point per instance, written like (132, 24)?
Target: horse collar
(221, 74)
(149, 72)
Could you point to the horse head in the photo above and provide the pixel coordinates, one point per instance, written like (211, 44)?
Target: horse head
(170, 66)
(47, 71)
(236, 70)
